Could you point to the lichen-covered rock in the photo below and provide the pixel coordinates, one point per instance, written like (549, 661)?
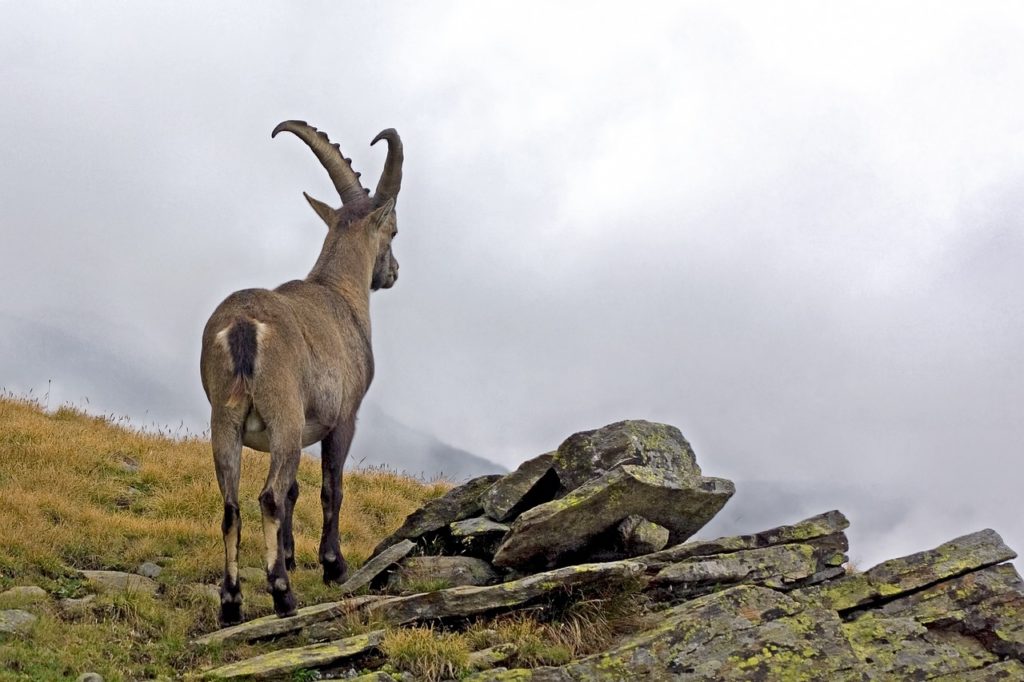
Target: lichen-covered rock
(638, 536)
(274, 626)
(444, 571)
(479, 536)
(533, 483)
(589, 454)
(898, 576)
(828, 525)
(904, 649)
(551, 533)
(491, 656)
(1005, 671)
(743, 633)
(16, 621)
(778, 567)
(116, 581)
(278, 664)
(457, 504)
(375, 566)
(469, 601)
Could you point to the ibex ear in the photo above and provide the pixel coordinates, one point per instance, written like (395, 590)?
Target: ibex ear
(381, 215)
(325, 212)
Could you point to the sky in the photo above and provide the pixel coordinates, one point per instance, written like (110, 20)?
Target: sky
(794, 230)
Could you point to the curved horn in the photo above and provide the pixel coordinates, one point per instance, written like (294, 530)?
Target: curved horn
(345, 180)
(391, 177)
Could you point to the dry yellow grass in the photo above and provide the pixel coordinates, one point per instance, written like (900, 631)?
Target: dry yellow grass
(69, 501)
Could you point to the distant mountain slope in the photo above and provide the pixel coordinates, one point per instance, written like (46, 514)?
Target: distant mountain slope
(383, 440)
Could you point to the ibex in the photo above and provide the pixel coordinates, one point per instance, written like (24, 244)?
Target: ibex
(286, 368)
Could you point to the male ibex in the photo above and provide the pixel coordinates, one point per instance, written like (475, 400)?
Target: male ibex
(283, 369)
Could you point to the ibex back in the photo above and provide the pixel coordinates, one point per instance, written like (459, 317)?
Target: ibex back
(287, 368)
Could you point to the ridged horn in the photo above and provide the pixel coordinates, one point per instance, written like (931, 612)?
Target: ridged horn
(345, 180)
(391, 177)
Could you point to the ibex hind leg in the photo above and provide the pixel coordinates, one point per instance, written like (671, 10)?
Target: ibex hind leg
(289, 537)
(227, 457)
(333, 453)
(284, 463)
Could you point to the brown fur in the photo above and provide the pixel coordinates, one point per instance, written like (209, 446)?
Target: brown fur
(302, 380)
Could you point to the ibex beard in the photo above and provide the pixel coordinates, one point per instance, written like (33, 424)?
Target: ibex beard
(289, 367)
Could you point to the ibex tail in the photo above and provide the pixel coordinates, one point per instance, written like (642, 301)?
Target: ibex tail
(242, 342)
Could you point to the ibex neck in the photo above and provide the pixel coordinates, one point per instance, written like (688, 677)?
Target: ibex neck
(345, 267)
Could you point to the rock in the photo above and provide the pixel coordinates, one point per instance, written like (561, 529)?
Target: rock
(457, 504)
(376, 676)
(533, 483)
(903, 649)
(776, 567)
(587, 455)
(72, 608)
(252, 574)
(89, 677)
(1006, 671)
(828, 525)
(898, 576)
(149, 570)
(492, 656)
(639, 536)
(468, 601)
(23, 594)
(478, 536)
(375, 566)
(278, 664)
(416, 573)
(116, 581)
(16, 621)
(273, 626)
(742, 633)
(551, 533)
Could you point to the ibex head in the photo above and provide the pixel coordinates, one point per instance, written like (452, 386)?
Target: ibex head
(369, 217)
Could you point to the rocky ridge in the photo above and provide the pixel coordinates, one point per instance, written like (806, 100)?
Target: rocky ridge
(614, 510)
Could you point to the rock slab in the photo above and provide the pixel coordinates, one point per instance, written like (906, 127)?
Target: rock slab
(375, 566)
(278, 664)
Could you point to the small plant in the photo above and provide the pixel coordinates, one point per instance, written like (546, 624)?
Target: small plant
(426, 653)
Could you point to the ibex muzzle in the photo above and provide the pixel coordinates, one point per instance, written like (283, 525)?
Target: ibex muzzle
(286, 368)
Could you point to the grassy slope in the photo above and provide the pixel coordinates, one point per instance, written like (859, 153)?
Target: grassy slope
(66, 503)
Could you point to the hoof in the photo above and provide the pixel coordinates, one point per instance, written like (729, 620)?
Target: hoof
(284, 604)
(230, 613)
(335, 571)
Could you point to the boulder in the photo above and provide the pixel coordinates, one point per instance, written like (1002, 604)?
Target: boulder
(552, 533)
(149, 569)
(778, 567)
(533, 483)
(479, 536)
(899, 576)
(418, 573)
(73, 608)
(638, 536)
(457, 504)
(16, 622)
(116, 581)
(23, 594)
(279, 664)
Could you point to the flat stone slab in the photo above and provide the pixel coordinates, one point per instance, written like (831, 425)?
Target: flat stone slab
(16, 621)
(459, 503)
(510, 495)
(273, 626)
(777, 567)
(831, 523)
(277, 664)
(898, 576)
(445, 571)
(377, 565)
(904, 649)
(548, 533)
(117, 581)
(468, 601)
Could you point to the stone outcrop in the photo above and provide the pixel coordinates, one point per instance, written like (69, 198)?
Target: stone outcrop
(613, 510)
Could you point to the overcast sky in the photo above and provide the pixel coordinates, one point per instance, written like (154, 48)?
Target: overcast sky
(794, 231)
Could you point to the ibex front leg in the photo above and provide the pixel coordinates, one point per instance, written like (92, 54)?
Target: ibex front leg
(333, 453)
(285, 452)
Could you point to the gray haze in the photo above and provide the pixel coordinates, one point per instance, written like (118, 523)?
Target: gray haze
(793, 231)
